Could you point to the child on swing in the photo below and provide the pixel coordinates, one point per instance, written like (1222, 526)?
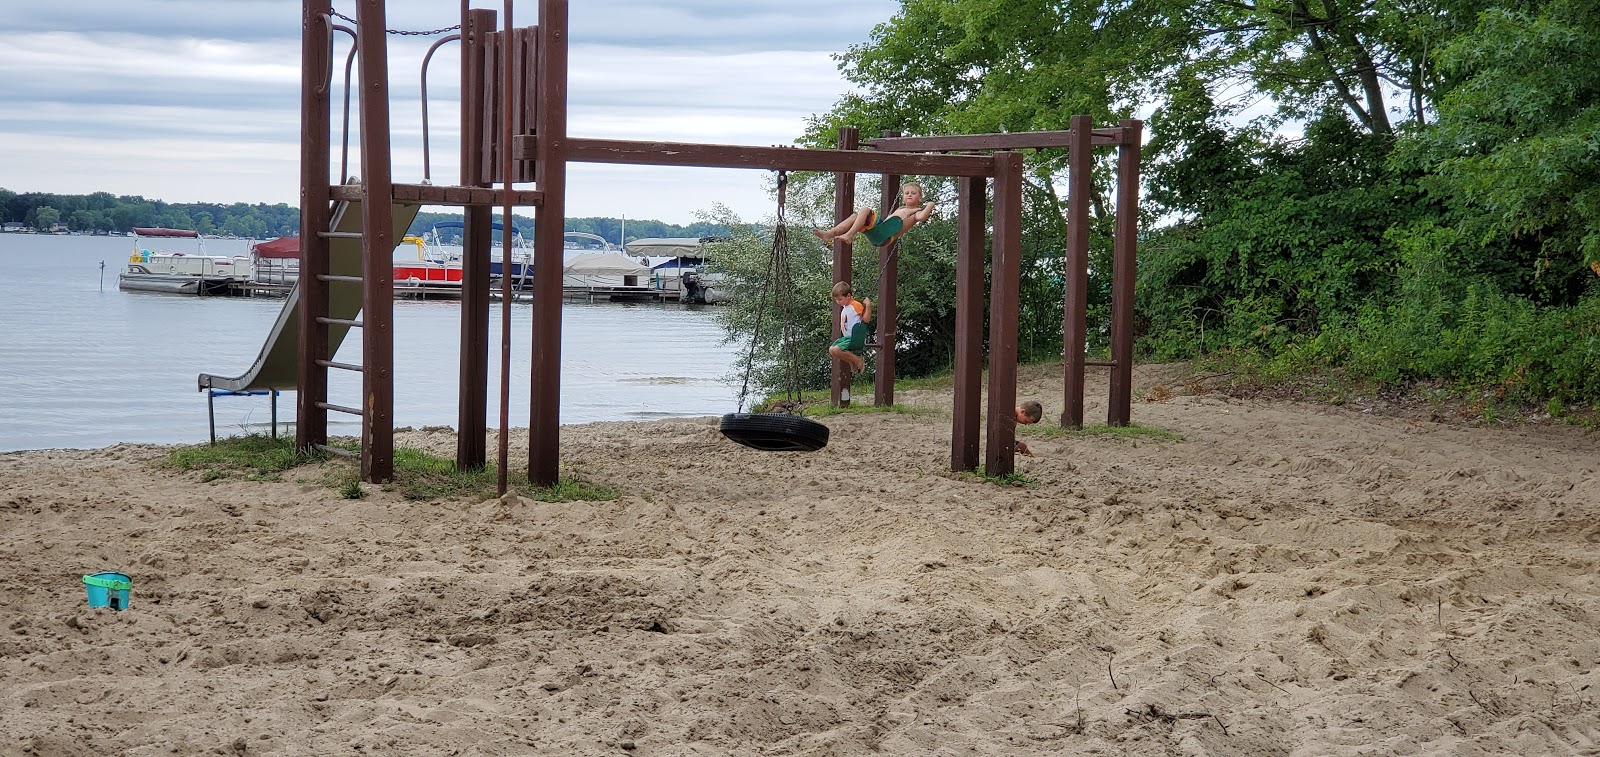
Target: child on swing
(852, 341)
(880, 232)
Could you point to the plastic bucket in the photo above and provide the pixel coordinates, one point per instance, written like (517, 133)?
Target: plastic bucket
(107, 589)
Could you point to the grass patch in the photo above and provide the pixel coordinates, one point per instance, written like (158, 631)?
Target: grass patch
(417, 475)
(254, 457)
(1132, 431)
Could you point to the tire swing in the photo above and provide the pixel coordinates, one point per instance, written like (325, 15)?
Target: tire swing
(784, 431)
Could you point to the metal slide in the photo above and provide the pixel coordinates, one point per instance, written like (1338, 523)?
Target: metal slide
(277, 365)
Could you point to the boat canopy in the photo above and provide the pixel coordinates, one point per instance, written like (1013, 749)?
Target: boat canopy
(280, 248)
(604, 263)
(156, 231)
(688, 247)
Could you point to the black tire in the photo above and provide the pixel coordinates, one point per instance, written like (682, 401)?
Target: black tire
(775, 432)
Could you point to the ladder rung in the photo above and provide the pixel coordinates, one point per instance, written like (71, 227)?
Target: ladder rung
(339, 322)
(341, 366)
(340, 408)
(334, 450)
(336, 277)
(339, 234)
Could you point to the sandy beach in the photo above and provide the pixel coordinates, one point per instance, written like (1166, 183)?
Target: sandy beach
(1283, 578)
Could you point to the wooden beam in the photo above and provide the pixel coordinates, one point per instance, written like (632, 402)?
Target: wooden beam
(1124, 262)
(1005, 276)
(311, 418)
(770, 158)
(844, 203)
(987, 142)
(971, 216)
(1075, 295)
(550, 223)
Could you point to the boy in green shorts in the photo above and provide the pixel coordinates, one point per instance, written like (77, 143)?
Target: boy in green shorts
(851, 345)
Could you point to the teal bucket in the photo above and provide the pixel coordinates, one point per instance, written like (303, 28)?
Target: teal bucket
(107, 589)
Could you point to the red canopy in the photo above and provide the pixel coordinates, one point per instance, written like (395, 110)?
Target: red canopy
(282, 247)
(160, 232)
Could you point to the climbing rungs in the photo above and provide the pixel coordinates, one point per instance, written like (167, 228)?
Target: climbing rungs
(339, 234)
(335, 450)
(337, 277)
(340, 408)
(339, 322)
(341, 366)
(1101, 363)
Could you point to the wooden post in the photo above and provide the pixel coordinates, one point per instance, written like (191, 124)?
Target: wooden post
(316, 64)
(1005, 270)
(844, 201)
(472, 418)
(377, 248)
(544, 427)
(1075, 298)
(1124, 273)
(887, 310)
(972, 212)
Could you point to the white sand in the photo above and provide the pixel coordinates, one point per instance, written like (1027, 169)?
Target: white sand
(1287, 579)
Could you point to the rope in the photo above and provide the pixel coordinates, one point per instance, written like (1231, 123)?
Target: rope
(406, 33)
(778, 273)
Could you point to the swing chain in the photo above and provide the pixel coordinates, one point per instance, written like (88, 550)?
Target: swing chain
(779, 281)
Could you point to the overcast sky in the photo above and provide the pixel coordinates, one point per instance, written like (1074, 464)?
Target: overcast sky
(198, 100)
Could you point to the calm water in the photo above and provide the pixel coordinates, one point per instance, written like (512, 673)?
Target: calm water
(83, 364)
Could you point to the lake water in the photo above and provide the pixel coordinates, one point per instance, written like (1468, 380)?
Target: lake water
(83, 364)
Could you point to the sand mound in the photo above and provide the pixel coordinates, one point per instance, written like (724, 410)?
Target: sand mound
(1285, 579)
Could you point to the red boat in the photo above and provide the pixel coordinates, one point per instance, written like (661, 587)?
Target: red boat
(426, 270)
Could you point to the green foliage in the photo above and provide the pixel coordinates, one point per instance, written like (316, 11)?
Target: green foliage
(1516, 150)
(103, 212)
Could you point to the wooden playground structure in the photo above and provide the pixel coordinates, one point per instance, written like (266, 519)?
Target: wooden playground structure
(514, 130)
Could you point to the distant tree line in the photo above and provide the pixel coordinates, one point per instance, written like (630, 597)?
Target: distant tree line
(103, 212)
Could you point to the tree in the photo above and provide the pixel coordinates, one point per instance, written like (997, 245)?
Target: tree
(1516, 150)
(45, 217)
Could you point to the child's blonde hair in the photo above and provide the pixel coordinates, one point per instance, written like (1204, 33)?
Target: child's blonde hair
(841, 289)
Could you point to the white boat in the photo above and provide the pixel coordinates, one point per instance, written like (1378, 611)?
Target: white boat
(677, 268)
(181, 272)
(606, 273)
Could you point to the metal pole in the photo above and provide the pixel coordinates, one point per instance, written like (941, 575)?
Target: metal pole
(508, 52)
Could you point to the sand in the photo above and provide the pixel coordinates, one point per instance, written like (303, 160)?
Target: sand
(1286, 578)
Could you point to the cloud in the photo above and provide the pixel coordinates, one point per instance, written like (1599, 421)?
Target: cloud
(186, 100)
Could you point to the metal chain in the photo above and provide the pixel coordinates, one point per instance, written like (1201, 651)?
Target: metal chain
(404, 32)
(778, 281)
